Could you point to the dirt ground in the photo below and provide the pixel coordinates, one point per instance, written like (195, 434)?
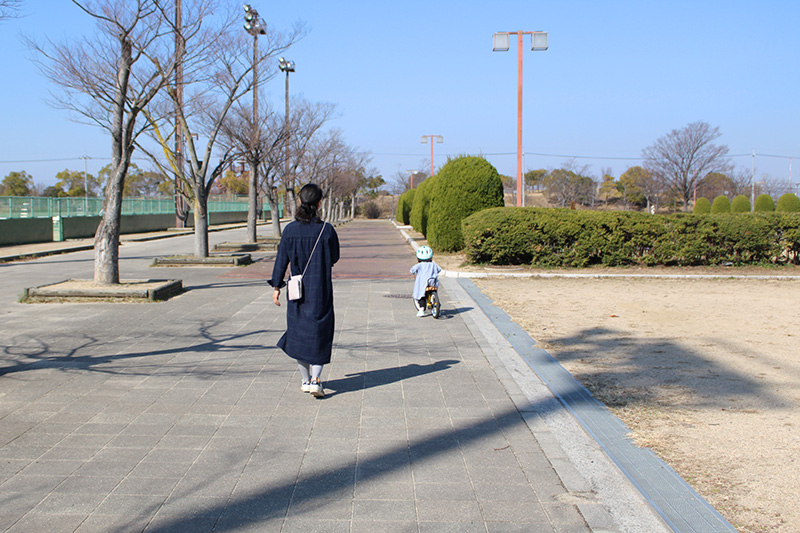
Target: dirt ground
(704, 372)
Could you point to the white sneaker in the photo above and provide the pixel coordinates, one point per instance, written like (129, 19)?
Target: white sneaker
(306, 386)
(315, 388)
(421, 312)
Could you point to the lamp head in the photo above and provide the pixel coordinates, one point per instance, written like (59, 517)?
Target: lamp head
(540, 41)
(500, 42)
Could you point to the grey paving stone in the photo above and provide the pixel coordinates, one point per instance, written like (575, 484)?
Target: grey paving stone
(190, 405)
(449, 511)
(384, 510)
(443, 489)
(55, 523)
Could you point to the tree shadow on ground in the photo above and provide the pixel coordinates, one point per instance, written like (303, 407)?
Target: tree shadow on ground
(624, 370)
(24, 353)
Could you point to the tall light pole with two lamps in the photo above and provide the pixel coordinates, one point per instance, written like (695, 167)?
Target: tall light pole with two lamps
(286, 66)
(425, 138)
(501, 44)
(253, 25)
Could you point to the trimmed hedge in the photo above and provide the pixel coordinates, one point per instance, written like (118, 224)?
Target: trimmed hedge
(721, 205)
(788, 203)
(702, 206)
(418, 217)
(764, 204)
(404, 204)
(567, 238)
(464, 185)
(740, 204)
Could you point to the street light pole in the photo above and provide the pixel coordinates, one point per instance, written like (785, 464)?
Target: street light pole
(252, 23)
(753, 185)
(501, 44)
(425, 138)
(287, 66)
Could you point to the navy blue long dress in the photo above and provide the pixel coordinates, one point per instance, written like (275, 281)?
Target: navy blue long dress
(309, 320)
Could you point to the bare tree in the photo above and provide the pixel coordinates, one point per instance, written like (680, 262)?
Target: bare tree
(742, 178)
(570, 184)
(325, 158)
(108, 78)
(9, 9)
(683, 156)
(772, 186)
(217, 68)
(305, 120)
(237, 137)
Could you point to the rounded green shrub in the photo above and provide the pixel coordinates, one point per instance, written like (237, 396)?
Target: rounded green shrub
(702, 206)
(721, 205)
(764, 204)
(740, 204)
(464, 185)
(404, 204)
(418, 217)
(788, 203)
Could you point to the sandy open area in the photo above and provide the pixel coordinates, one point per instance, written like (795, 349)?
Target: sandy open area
(705, 372)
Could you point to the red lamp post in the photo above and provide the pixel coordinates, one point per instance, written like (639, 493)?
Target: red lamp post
(501, 44)
(439, 139)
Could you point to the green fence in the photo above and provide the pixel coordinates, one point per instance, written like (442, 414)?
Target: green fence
(36, 207)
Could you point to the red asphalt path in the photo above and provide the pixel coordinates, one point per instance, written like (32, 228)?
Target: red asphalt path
(370, 250)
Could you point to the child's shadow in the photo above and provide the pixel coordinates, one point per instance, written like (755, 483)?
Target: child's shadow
(384, 376)
(451, 313)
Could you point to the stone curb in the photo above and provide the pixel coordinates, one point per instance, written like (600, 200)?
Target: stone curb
(44, 253)
(215, 260)
(161, 292)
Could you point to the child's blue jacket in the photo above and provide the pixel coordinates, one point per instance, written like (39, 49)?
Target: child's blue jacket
(424, 270)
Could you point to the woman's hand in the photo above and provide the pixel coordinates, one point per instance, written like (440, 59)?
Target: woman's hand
(276, 297)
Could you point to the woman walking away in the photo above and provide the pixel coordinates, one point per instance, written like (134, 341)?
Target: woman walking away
(309, 248)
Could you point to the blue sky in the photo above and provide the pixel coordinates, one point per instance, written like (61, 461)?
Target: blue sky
(618, 75)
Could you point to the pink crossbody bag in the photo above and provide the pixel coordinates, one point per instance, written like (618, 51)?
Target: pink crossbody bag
(295, 283)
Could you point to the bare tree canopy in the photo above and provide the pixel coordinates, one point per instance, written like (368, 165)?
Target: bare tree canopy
(684, 156)
(9, 9)
(217, 73)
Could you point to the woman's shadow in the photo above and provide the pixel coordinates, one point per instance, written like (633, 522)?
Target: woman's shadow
(384, 376)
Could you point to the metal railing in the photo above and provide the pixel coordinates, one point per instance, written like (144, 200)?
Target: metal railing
(40, 207)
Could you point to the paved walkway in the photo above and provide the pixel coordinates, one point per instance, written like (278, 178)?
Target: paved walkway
(184, 416)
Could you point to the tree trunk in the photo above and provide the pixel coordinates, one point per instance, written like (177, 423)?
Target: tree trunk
(252, 205)
(328, 210)
(275, 214)
(200, 223)
(106, 239)
(290, 203)
(353, 207)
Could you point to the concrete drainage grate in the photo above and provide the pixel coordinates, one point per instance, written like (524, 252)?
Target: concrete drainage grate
(397, 296)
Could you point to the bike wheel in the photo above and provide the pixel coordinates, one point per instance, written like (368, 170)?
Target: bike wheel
(435, 305)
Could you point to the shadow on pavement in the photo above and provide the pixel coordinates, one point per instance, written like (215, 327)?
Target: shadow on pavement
(384, 376)
(315, 488)
(26, 353)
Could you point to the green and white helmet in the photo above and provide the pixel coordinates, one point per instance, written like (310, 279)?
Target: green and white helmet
(424, 253)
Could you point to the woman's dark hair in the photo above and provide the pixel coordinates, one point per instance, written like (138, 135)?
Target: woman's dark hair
(309, 195)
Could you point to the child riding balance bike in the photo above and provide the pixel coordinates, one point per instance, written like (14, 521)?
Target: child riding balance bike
(426, 285)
